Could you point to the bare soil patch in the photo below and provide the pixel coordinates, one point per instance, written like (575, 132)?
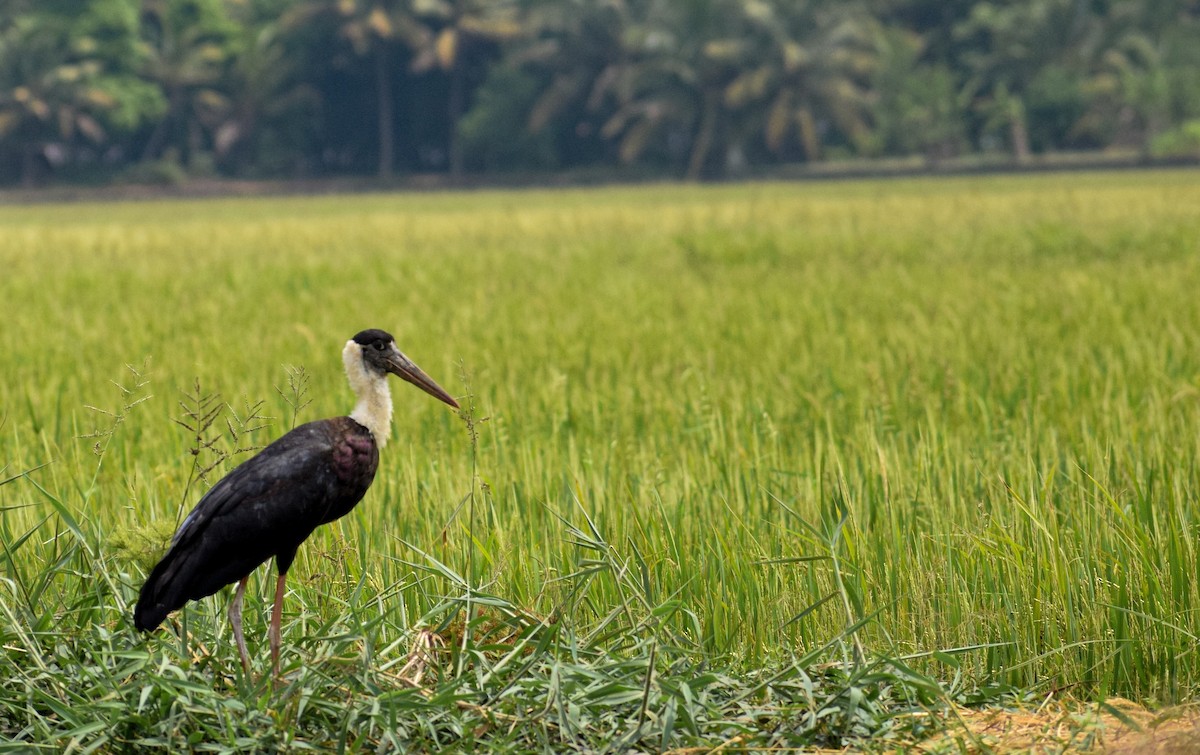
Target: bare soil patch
(1116, 727)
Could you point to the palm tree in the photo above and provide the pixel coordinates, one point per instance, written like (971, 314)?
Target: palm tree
(264, 95)
(577, 50)
(44, 98)
(917, 108)
(189, 46)
(1129, 73)
(377, 31)
(671, 83)
(67, 79)
(1005, 46)
(466, 30)
(807, 63)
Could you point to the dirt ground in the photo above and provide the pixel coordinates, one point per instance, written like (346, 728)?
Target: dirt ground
(1116, 727)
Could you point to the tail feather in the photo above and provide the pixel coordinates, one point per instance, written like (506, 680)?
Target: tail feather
(147, 618)
(188, 572)
(163, 592)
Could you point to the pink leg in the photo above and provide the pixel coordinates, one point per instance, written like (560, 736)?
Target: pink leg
(235, 618)
(276, 620)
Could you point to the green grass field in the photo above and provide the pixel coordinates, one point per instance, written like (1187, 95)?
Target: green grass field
(768, 464)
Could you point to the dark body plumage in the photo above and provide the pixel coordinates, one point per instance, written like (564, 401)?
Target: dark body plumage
(265, 507)
(270, 504)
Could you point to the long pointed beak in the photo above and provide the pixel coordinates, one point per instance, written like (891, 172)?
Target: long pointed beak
(404, 368)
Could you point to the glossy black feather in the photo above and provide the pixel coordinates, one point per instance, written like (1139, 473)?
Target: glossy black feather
(265, 507)
(373, 336)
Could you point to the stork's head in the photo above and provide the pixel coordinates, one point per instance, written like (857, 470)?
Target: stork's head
(379, 355)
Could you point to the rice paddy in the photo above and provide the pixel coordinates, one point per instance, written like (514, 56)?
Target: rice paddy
(768, 464)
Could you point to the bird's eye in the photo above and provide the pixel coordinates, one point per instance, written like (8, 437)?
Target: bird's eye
(380, 345)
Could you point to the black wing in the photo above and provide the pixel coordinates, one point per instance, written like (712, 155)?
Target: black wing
(267, 506)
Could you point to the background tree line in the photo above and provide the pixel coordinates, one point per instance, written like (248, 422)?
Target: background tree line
(160, 89)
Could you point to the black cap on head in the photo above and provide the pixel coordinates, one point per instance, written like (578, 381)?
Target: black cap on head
(380, 356)
(373, 336)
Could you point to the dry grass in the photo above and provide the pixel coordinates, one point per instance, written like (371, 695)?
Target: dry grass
(1115, 727)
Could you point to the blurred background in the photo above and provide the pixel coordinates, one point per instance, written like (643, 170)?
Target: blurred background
(162, 91)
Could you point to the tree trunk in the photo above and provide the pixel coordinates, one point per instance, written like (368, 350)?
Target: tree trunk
(705, 137)
(158, 137)
(195, 142)
(29, 155)
(809, 138)
(387, 134)
(455, 113)
(1019, 131)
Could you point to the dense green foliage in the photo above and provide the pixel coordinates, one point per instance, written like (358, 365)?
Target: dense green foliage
(154, 90)
(729, 433)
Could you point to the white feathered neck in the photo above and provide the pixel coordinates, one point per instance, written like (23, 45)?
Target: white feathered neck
(374, 408)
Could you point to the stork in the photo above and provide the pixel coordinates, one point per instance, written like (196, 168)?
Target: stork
(272, 502)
